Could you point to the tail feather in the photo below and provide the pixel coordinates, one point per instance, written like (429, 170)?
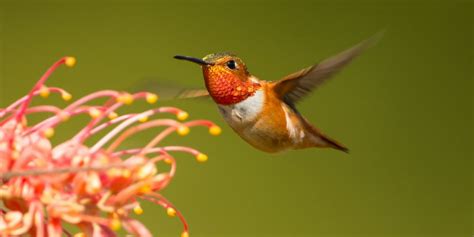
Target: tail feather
(321, 140)
(333, 143)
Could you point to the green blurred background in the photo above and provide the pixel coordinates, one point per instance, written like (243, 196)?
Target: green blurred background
(404, 108)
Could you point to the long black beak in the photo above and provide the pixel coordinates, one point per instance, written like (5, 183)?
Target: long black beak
(194, 60)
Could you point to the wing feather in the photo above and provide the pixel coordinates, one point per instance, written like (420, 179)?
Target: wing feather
(170, 91)
(295, 86)
(192, 93)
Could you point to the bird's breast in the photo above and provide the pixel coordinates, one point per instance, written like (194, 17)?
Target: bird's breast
(245, 111)
(262, 121)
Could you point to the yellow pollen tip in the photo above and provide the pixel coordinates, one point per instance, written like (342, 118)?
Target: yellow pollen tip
(121, 211)
(125, 98)
(143, 119)
(94, 113)
(115, 224)
(146, 171)
(182, 115)
(66, 96)
(70, 61)
(24, 122)
(80, 234)
(49, 132)
(15, 155)
(64, 116)
(114, 172)
(215, 130)
(151, 98)
(44, 92)
(138, 210)
(185, 234)
(202, 158)
(112, 115)
(171, 212)
(114, 215)
(183, 130)
(168, 161)
(126, 174)
(145, 189)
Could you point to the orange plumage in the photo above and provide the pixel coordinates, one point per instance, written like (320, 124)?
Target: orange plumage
(226, 87)
(264, 113)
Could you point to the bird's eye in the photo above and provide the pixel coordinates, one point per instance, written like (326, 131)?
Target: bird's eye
(231, 64)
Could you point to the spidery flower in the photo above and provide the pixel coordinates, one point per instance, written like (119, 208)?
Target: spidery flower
(96, 188)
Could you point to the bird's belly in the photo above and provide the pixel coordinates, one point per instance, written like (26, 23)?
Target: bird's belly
(265, 131)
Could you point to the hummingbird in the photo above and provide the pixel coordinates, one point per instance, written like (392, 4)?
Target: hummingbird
(264, 113)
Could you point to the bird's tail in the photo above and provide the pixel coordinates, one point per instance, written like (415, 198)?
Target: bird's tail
(319, 139)
(333, 143)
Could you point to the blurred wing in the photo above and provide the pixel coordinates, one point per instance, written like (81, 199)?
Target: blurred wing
(167, 91)
(297, 85)
(192, 93)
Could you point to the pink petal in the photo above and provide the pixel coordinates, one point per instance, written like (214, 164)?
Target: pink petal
(54, 228)
(136, 228)
(102, 231)
(13, 219)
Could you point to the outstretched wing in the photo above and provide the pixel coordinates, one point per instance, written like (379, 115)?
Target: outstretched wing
(297, 85)
(192, 93)
(170, 91)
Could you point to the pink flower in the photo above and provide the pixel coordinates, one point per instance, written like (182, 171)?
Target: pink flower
(94, 188)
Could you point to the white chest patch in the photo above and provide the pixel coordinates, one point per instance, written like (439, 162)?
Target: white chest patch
(296, 134)
(244, 111)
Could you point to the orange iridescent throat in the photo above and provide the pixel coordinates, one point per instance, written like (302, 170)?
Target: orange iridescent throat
(227, 88)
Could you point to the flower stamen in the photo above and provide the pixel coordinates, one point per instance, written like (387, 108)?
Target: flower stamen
(96, 189)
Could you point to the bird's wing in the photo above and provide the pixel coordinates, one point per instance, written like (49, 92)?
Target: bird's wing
(170, 91)
(192, 93)
(297, 85)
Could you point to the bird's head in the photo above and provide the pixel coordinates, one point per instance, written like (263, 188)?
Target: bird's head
(226, 77)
